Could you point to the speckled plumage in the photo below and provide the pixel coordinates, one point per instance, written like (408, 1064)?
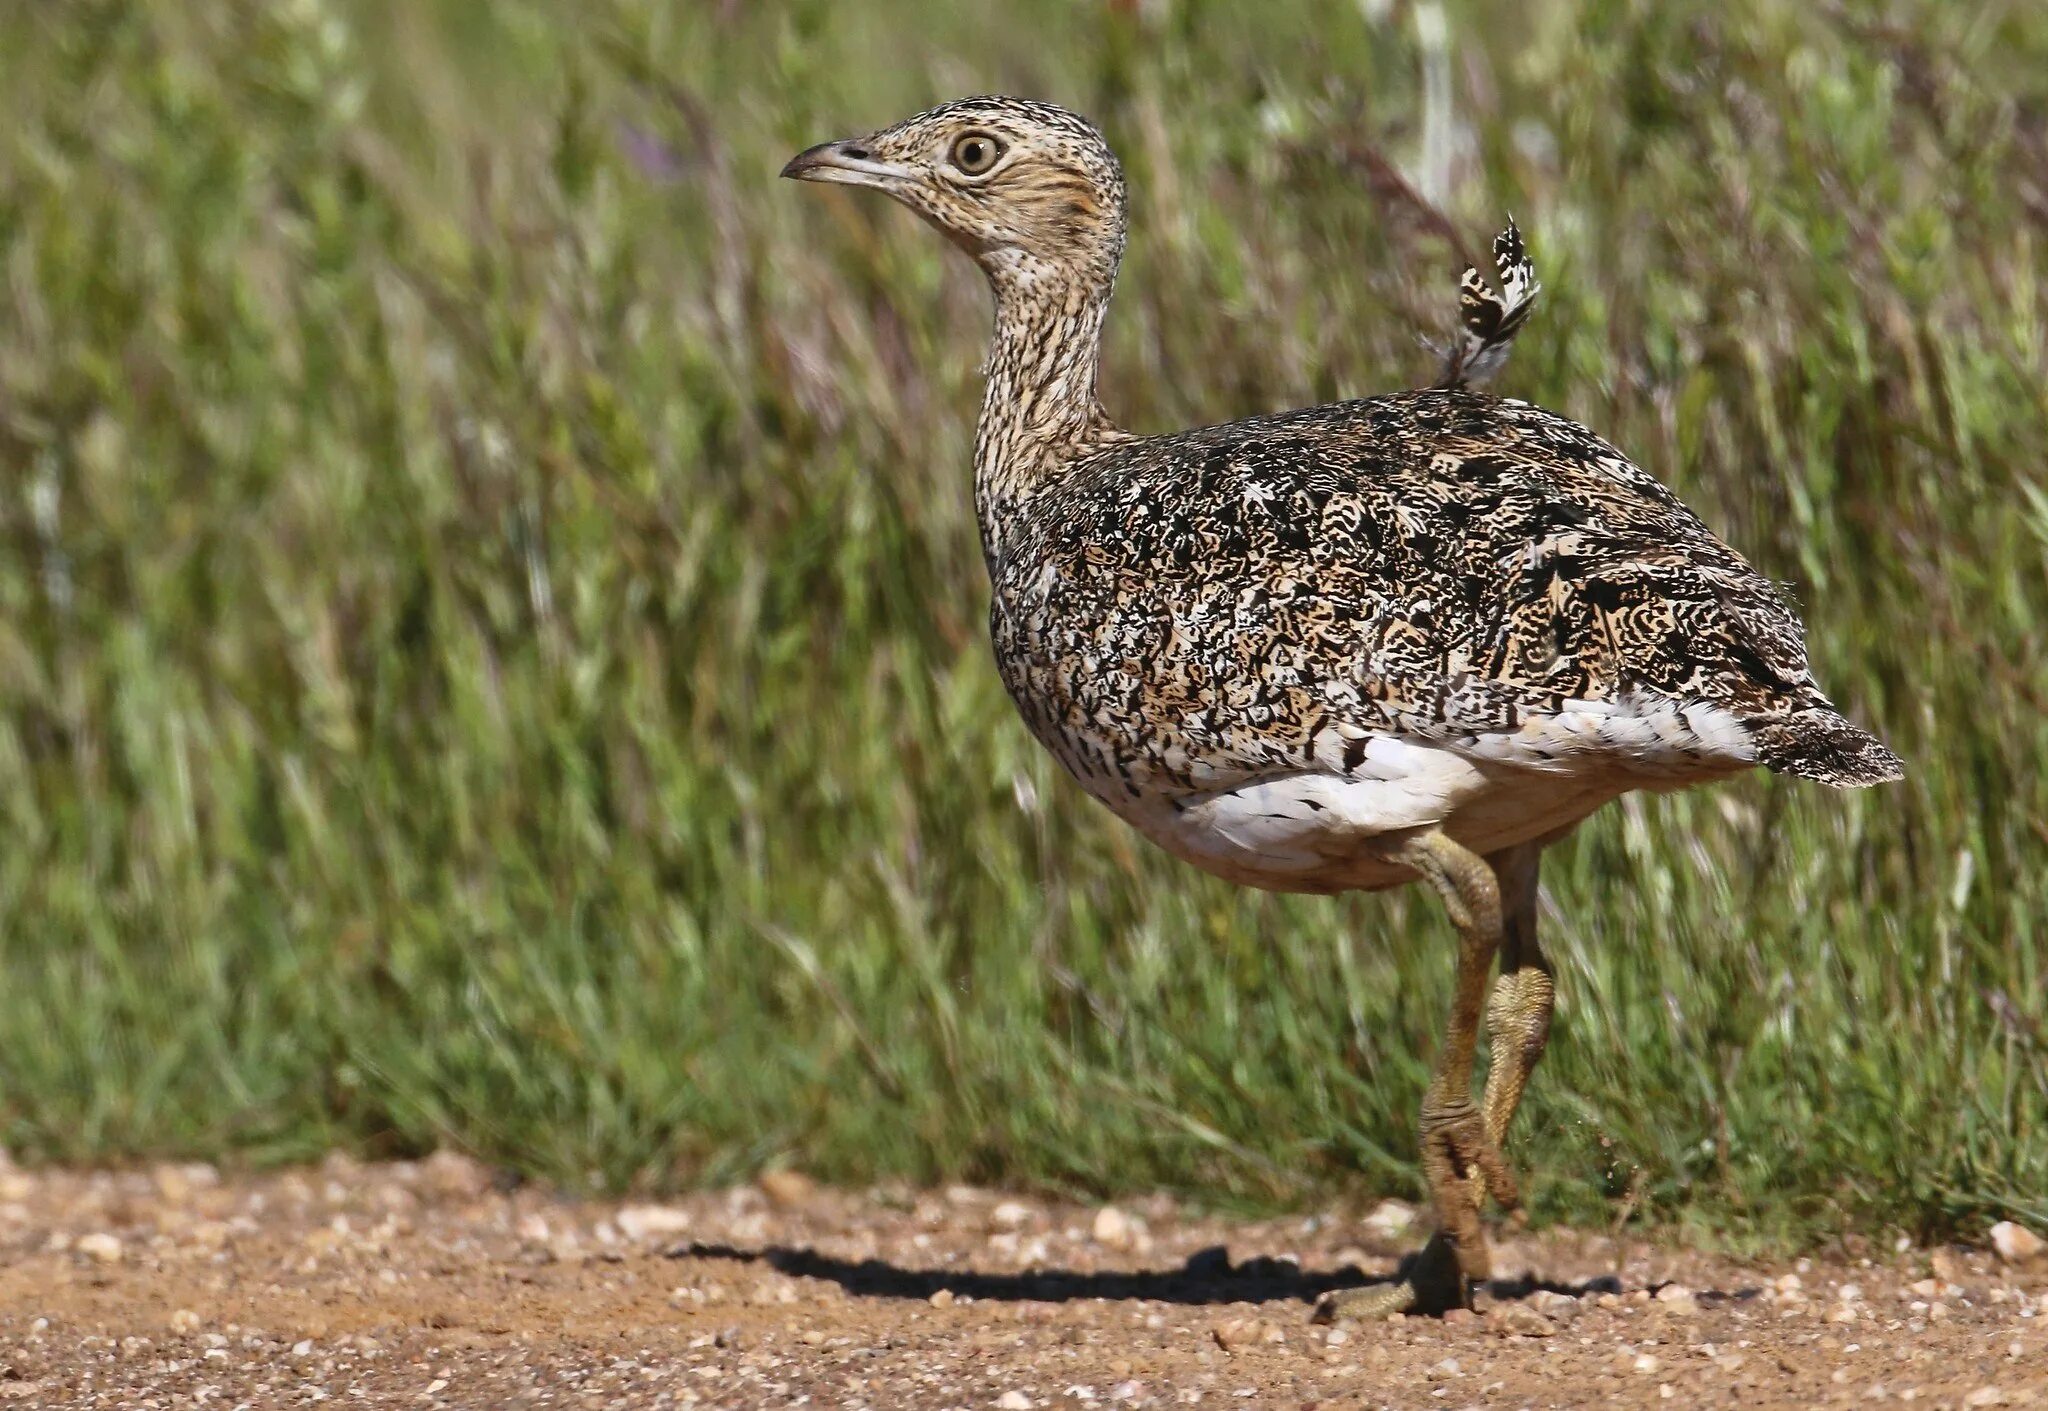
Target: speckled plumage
(1190, 614)
(1413, 636)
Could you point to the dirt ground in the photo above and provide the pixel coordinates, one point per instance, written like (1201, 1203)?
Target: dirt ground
(431, 1284)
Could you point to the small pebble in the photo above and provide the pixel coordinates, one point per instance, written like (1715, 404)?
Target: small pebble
(1519, 1320)
(787, 1189)
(100, 1247)
(1013, 1401)
(1390, 1219)
(1677, 1298)
(1238, 1333)
(452, 1174)
(647, 1222)
(1112, 1228)
(2017, 1245)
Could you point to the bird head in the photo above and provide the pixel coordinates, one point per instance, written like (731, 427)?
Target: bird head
(1030, 190)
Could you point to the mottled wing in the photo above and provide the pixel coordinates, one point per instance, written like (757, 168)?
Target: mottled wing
(1271, 597)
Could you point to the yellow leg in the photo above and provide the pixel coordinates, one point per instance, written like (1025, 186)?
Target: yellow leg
(1518, 1014)
(1461, 1159)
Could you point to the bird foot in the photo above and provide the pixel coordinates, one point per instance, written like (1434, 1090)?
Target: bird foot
(1430, 1283)
(1374, 1304)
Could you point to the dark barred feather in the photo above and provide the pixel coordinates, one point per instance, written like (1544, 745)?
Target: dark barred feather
(1491, 320)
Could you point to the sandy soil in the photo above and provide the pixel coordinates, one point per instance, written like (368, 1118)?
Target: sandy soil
(430, 1284)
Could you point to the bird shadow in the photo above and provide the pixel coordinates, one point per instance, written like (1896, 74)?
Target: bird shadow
(1207, 1277)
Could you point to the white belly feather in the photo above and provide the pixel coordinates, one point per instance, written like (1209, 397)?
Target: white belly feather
(1315, 831)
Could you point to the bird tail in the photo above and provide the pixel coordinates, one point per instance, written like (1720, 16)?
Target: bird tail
(1490, 321)
(1817, 743)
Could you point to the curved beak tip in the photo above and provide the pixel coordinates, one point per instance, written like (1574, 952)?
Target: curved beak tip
(805, 165)
(847, 162)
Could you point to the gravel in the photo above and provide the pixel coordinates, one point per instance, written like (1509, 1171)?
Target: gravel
(437, 1284)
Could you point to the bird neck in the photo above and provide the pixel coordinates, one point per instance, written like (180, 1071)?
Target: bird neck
(1039, 412)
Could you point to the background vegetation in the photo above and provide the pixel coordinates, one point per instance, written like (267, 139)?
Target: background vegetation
(491, 621)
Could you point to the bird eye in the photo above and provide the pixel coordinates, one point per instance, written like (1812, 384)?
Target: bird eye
(976, 152)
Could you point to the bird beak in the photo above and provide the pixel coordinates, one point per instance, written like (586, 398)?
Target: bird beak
(847, 162)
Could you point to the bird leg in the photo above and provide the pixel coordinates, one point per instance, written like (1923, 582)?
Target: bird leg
(1518, 1014)
(1461, 1160)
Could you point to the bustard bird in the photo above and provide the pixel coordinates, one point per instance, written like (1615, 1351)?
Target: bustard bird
(1413, 636)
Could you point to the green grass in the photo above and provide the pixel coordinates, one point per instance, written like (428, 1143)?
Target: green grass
(491, 621)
